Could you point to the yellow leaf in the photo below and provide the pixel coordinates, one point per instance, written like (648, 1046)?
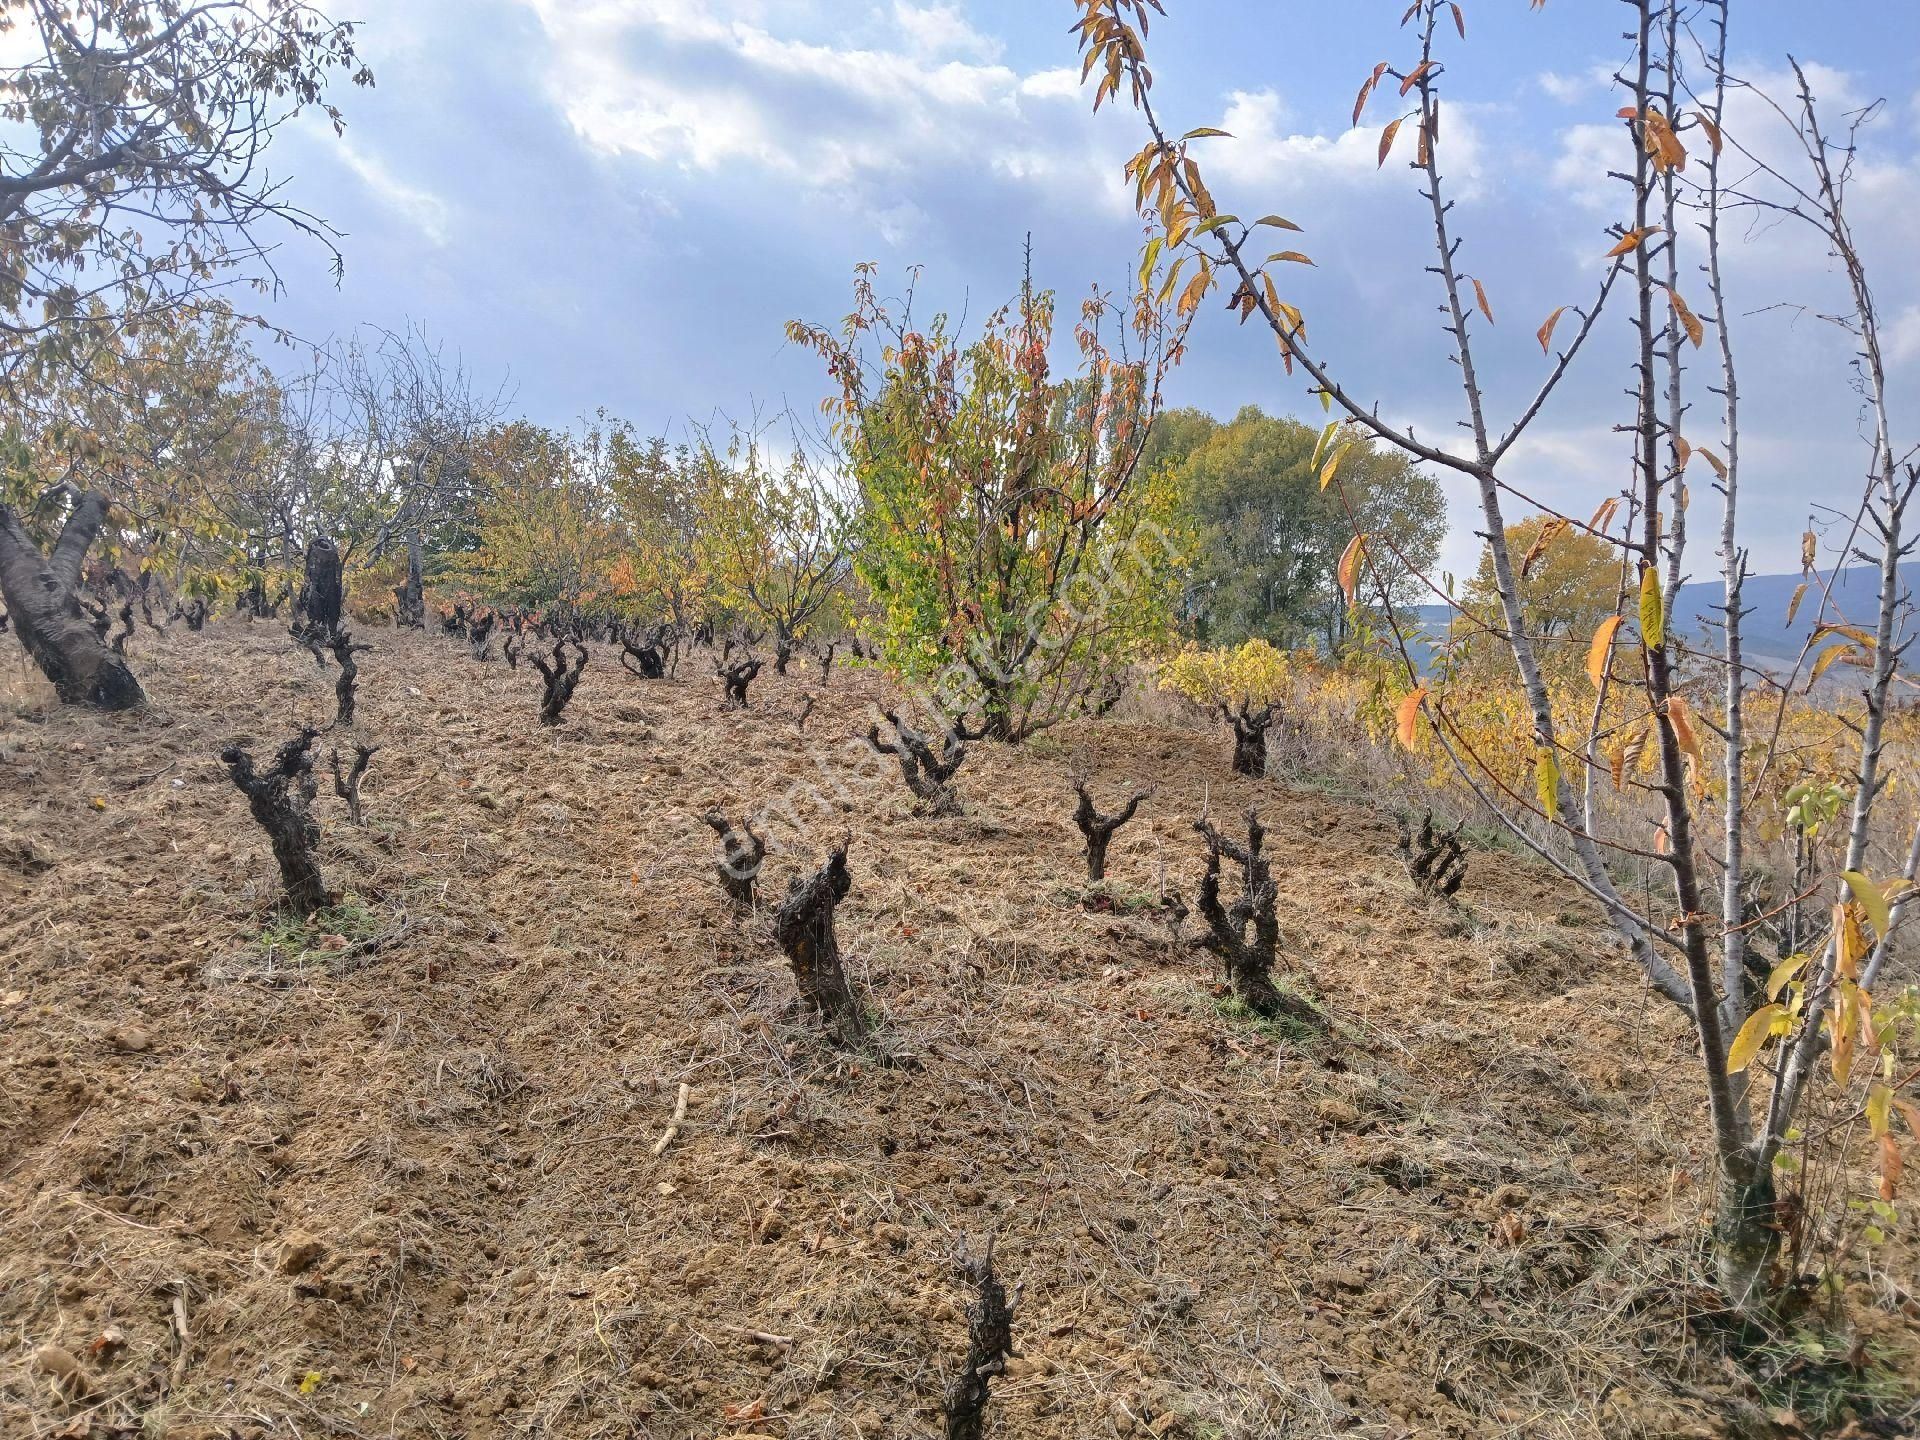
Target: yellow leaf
(1850, 941)
(1632, 241)
(1603, 517)
(1536, 552)
(1545, 333)
(1350, 566)
(1328, 470)
(1781, 974)
(1653, 613)
(1880, 1109)
(310, 1382)
(1326, 439)
(1842, 1036)
(1825, 658)
(1752, 1036)
(1872, 900)
(1278, 222)
(1713, 131)
(1793, 605)
(1601, 649)
(1407, 717)
(1546, 780)
(1719, 465)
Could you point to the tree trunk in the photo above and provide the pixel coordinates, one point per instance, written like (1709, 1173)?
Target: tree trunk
(42, 593)
(323, 594)
(1746, 1232)
(410, 611)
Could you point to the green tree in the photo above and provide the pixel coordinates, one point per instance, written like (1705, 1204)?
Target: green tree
(548, 540)
(773, 539)
(1016, 555)
(1567, 583)
(1268, 538)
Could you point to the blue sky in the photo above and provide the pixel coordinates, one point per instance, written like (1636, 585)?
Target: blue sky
(621, 202)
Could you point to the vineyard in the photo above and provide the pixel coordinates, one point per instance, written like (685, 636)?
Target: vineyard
(412, 1145)
(985, 902)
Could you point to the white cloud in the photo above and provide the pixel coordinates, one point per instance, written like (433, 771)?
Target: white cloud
(422, 209)
(1266, 156)
(1903, 336)
(708, 85)
(942, 30)
(1565, 88)
(1059, 84)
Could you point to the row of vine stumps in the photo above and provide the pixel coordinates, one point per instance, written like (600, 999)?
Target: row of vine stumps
(1235, 899)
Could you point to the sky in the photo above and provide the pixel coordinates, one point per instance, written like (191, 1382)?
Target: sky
(621, 203)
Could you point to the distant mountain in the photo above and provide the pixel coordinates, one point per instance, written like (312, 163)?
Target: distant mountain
(1768, 639)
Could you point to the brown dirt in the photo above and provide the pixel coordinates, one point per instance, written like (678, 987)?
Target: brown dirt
(394, 1176)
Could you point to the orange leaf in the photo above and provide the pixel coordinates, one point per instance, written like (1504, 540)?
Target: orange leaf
(1681, 719)
(1696, 332)
(1599, 653)
(1546, 330)
(1480, 294)
(1407, 717)
(1350, 566)
(1386, 140)
(1632, 240)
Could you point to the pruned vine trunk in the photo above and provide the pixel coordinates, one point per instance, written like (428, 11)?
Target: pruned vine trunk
(1246, 935)
(1436, 861)
(1250, 728)
(742, 853)
(281, 798)
(735, 677)
(346, 782)
(560, 680)
(1099, 829)
(344, 689)
(804, 924)
(928, 772)
(989, 1346)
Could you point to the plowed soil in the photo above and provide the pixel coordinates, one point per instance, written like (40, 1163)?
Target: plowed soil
(398, 1172)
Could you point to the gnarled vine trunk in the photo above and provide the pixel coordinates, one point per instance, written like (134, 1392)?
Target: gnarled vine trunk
(42, 593)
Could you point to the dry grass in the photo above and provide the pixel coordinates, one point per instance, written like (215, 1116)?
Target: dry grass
(1470, 1214)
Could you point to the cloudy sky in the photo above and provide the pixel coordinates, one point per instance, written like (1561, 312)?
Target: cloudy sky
(621, 202)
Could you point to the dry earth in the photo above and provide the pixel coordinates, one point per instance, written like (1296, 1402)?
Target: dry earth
(396, 1174)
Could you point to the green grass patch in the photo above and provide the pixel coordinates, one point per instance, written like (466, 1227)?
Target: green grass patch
(294, 939)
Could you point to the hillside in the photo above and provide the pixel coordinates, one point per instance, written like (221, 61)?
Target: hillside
(1769, 640)
(400, 1173)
